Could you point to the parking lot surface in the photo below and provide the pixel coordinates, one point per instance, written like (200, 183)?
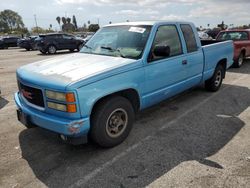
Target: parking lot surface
(197, 139)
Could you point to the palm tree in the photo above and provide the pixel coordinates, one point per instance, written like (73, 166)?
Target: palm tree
(68, 20)
(64, 21)
(58, 19)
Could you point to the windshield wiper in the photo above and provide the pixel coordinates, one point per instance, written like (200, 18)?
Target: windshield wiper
(113, 50)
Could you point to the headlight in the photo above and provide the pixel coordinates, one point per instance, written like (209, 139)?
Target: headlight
(56, 106)
(71, 108)
(64, 97)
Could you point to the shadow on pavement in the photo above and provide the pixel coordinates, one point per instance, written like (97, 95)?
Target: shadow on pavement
(3, 102)
(161, 139)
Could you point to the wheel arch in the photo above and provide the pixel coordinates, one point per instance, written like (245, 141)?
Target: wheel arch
(223, 63)
(243, 50)
(131, 94)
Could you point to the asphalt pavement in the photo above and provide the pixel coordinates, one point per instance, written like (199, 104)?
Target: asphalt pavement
(196, 139)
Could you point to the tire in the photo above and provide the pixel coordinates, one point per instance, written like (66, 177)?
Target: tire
(238, 63)
(112, 121)
(214, 83)
(79, 47)
(71, 50)
(27, 49)
(42, 51)
(51, 49)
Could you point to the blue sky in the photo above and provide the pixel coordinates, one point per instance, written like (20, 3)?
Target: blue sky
(201, 12)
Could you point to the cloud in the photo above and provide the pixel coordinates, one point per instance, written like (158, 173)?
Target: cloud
(230, 10)
(127, 2)
(135, 13)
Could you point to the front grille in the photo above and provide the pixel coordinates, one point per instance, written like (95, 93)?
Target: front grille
(32, 95)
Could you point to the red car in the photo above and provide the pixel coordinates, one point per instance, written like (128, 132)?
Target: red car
(241, 40)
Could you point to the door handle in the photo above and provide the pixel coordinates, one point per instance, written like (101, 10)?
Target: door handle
(184, 62)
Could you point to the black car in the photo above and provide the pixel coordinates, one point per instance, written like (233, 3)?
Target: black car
(52, 42)
(7, 42)
(27, 43)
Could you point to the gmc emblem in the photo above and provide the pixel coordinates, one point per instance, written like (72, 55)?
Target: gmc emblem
(26, 94)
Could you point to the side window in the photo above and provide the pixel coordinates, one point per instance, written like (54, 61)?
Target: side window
(189, 38)
(166, 36)
(67, 37)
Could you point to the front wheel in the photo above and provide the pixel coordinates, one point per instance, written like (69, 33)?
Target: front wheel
(214, 83)
(79, 47)
(112, 121)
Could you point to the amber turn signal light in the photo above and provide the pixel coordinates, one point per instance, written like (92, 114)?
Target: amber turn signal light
(70, 97)
(71, 108)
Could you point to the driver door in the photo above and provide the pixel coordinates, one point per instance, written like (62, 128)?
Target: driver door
(164, 76)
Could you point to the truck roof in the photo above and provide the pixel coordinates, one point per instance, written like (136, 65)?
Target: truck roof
(148, 23)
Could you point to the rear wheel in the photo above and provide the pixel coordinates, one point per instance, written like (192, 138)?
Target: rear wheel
(238, 63)
(51, 49)
(112, 121)
(214, 83)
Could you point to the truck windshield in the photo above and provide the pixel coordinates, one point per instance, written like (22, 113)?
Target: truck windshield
(120, 41)
(233, 35)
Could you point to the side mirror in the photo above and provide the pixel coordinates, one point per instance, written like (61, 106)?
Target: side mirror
(163, 51)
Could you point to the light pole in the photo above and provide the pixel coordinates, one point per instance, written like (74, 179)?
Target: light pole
(36, 24)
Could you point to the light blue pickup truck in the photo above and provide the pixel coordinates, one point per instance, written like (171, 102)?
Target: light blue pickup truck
(123, 68)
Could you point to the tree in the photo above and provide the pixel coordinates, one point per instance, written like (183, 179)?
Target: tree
(40, 30)
(74, 21)
(64, 21)
(58, 19)
(67, 26)
(223, 26)
(10, 21)
(89, 22)
(68, 20)
(93, 27)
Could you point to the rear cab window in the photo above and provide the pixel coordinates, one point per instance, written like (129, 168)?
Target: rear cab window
(189, 37)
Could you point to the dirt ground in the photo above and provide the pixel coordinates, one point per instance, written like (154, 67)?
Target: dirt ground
(197, 139)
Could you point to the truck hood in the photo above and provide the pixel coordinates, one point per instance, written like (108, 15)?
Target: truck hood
(67, 69)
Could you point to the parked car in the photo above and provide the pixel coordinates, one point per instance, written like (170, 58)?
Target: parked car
(27, 43)
(204, 36)
(7, 42)
(122, 69)
(50, 43)
(87, 38)
(241, 40)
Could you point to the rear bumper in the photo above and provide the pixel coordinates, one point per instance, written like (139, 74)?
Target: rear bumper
(67, 127)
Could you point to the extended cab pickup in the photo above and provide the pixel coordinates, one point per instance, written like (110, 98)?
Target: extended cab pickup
(122, 69)
(241, 40)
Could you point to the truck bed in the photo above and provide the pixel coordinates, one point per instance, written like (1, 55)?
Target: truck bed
(215, 51)
(208, 42)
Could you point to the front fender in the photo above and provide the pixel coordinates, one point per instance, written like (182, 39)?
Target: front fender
(90, 94)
